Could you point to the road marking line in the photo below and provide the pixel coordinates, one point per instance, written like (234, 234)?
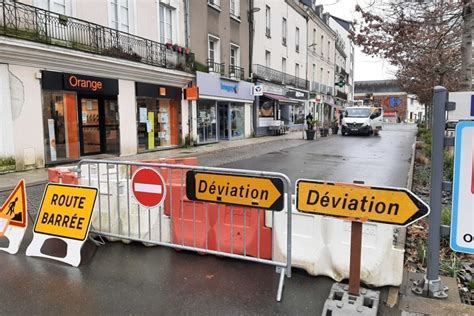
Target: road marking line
(148, 188)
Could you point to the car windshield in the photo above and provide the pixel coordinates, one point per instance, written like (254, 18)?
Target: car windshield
(357, 112)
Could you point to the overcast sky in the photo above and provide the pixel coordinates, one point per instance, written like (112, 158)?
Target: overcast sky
(366, 68)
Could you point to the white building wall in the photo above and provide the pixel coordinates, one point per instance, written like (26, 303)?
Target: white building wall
(318, 52)
(349, 51)
(127, 117)
(144, 17)
(6, 119)
(27, 116)
(280, 9)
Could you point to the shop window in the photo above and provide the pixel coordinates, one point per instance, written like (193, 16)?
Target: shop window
(237, 120)
(206, 121)
(297, 116)
(157, 123)
(60, 126)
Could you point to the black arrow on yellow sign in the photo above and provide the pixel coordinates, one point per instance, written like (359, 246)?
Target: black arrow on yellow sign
(258, 192)
(396, 206)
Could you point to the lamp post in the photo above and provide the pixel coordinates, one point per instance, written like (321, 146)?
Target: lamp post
(250, 13)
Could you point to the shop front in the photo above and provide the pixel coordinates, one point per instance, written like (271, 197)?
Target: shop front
(293, 109)
(269, 108)
(80, 116)
(158, 116)
(223, 111)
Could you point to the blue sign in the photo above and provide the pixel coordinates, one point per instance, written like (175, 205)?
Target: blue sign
(472, 105)
(394, 102)
(233, 88)
(462, 215)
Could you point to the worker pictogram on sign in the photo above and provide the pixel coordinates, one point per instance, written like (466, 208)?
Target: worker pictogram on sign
(65, 213)
(15, 210)
(15, 206)
(148, 187)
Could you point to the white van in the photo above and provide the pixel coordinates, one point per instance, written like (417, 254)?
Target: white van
(364, 120)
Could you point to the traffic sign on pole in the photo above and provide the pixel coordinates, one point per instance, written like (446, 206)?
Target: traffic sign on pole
(462, 215)
(396, 206)
(258, 192)
(148, 187)
(257, 90)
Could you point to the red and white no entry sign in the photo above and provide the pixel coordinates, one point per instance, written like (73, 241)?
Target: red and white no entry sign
(148, 187)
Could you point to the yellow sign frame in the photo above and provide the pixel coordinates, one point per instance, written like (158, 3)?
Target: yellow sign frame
(249, 191)
(61, 214)
(388, 205)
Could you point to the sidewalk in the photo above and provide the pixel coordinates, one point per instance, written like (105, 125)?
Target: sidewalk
(38, 176)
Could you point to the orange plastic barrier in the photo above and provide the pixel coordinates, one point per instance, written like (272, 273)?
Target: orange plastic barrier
(62, 175)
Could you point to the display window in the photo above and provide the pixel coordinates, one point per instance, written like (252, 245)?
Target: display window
(237, 123)
(207, 121)
(60, 126)
(157, 123)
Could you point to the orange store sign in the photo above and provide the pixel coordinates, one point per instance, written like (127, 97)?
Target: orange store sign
(93, 85)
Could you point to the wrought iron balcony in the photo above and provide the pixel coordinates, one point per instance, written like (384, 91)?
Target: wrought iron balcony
(218, 68)
(236, 72)
(34, 24)
(275, 76)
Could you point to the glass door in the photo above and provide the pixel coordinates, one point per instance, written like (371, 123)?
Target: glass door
(89, 126)
(206, 121)
(111, 127)
(223, 111)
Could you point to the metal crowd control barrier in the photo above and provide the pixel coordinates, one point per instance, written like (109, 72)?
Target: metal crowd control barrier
(218, 229)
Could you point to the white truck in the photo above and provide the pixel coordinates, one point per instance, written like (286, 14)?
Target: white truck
(365, 120)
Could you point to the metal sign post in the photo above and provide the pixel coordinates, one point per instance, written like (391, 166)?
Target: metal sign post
(357, 203)
(432, 285)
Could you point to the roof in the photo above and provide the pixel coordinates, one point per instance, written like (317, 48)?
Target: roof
(344, 23)
(376, 86)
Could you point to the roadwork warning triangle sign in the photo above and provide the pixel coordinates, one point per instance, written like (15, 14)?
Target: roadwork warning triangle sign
(15, 206)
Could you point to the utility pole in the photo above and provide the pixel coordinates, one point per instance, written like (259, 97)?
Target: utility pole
(466, 46)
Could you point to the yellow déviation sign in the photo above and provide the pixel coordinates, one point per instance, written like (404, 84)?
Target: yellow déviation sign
(66, 211)
(396, 206)
(258, 192)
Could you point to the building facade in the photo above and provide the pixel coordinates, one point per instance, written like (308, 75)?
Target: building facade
(344, 71)
(279, 64)
(78, 82)
(386, 94)
(219, 35)
(321, 63)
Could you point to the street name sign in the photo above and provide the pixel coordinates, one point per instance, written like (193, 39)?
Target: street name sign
(251, 191)
(65, 213)
(148, 187)
(396, 206)
(462, 215)
(15, 210)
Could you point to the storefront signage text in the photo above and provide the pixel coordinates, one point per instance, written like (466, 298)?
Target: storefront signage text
(295, 94)
(93, 85)
(233, 88)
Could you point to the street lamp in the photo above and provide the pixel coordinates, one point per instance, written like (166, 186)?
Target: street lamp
(250, 17)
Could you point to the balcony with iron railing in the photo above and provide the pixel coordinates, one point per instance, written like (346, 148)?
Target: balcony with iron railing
(30, 23)
(236, 72)
(275, 76)
(215, 67)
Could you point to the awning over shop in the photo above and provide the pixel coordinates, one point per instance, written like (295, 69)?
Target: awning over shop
(276, 97)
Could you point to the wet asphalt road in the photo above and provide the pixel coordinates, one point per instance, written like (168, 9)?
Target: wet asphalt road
(134, 279)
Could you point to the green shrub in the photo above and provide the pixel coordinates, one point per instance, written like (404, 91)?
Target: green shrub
(446, 215)
(7, 161)
(423, 176)
(448, 165)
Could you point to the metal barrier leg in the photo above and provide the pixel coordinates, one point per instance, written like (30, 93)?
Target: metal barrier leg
(280, 284)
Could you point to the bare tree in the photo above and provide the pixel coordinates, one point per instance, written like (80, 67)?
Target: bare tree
(423, 39)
